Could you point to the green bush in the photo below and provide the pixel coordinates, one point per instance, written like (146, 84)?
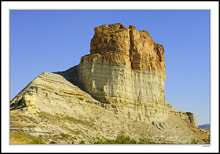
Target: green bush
(207, 141)
(82, 142)
(37, 141)
(194, 142)
(65, 135)
(121, 139)
(78, 132)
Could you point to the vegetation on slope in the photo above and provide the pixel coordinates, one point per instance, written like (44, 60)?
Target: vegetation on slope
(19, 137)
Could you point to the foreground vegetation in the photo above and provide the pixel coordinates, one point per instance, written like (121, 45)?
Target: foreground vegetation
(19, 137)
(121, 139)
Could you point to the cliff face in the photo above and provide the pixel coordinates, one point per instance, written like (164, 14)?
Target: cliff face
(126, 69)
(143, 54)
(119, 87)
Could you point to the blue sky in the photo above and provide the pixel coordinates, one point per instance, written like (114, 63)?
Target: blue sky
(55, 40)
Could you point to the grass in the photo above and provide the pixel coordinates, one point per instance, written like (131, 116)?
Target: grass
(194, 142)
(207, 141)
(19, 137)
(57, 118)
(82, 142)
(78, 132)
(65, 135)
(121, 139)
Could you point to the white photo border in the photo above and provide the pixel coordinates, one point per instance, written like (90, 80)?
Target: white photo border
(139, 5)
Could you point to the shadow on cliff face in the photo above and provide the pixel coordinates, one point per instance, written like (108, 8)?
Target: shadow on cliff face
(71, 75)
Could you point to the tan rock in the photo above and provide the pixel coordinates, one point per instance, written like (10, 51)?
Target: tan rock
(118, 89)
(59, 112)
(125, 68)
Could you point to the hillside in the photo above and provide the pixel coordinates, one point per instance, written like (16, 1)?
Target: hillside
(116, 95)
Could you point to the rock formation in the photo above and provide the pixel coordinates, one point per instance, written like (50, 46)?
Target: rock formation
(125, 69)
(118, 87)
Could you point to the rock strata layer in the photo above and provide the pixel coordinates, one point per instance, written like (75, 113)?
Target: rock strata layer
(125, 69)
(119, 88)
(58, 112)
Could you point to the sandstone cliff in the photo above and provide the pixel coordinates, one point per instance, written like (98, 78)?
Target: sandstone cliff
(126, 69)
(117, 90)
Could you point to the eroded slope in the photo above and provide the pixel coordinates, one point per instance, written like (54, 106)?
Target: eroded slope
(53, 109)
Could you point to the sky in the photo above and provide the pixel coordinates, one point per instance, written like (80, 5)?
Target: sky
(55, 40)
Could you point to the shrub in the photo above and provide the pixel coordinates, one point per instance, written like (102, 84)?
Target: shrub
(82, 142)
(194, 142)
(121, 139)
(65, 135)
(37, 141)
(78, 132)
(207, 141)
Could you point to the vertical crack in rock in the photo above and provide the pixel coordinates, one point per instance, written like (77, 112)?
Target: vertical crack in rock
(131, 45)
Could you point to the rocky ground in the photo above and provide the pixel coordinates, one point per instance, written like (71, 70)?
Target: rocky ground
(115, 95)
(53, 110)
